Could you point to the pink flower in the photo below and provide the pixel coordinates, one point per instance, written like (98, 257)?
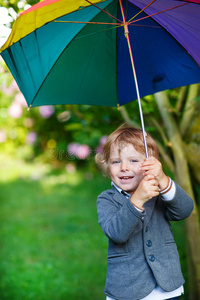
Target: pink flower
(99, 149)
(13, 87)
(80, 151)
(15, 110)
(73, 148)
(103, 139)
(46, 111)
(31, 138)
(83, 151)
(3, 136)
(19, 98)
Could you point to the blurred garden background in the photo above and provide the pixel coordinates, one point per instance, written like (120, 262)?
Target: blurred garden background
(51, 246)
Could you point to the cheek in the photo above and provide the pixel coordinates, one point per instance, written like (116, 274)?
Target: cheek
(111, 172)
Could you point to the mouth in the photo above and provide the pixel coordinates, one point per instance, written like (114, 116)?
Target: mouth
(126, 177)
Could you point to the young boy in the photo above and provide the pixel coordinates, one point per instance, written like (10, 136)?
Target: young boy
(143, 261)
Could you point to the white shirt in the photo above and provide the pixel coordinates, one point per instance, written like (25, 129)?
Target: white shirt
(158, 293)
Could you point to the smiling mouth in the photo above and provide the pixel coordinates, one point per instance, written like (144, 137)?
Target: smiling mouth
(126, 177)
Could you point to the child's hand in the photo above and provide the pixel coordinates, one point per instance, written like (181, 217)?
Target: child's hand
(147, 189)
(153, 166)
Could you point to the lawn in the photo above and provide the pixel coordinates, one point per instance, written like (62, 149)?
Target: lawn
(51, 244)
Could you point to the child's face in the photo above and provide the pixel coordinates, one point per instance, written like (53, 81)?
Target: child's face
(124, 167)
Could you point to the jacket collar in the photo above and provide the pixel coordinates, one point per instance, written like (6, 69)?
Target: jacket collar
(120, 190)
(117, 195)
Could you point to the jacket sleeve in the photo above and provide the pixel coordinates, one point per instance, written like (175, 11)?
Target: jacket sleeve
(117, 220)
(180, 207)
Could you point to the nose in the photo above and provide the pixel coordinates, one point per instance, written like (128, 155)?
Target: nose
(124, 167)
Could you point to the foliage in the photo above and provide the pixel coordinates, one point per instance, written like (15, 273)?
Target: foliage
(48, 131)
(16, 4)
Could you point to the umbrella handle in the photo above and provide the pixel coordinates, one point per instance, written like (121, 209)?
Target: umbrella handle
(126, 32)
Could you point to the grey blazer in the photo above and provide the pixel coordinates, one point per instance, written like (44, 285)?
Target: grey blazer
(142, 252)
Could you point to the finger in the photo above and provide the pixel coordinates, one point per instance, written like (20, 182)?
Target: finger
(149, 171)
(147, 162)
(153, 182)
(155, 188)
(149, 177)
(147, 166)
(150, 159)
(155, 173)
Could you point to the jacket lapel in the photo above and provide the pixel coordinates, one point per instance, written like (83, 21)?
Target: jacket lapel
(118, 197)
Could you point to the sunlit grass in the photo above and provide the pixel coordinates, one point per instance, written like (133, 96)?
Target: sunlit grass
(51, 244)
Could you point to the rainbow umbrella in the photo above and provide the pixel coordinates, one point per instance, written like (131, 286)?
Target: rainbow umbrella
(89, 52)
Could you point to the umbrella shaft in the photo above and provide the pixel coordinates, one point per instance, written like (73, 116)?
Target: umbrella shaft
(135, 78)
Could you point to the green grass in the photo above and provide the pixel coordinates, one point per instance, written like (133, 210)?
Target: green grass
(51, 246)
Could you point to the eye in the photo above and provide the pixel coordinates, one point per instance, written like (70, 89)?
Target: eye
(134, 161)
(115, 162)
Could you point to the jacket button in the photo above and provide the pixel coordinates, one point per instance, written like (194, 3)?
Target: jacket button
(151, 258)
(149, 243)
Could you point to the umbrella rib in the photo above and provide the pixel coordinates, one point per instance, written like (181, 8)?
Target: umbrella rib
(96, 32)
(141, 11)
(79, 22)
(157, 13)
(113, 17)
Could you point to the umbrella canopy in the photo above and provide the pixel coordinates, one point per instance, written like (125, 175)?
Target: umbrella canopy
(75, 52)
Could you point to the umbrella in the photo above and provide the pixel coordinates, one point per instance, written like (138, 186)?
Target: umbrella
(78, 52)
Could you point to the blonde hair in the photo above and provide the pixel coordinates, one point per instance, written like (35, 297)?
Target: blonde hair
(120, 138)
